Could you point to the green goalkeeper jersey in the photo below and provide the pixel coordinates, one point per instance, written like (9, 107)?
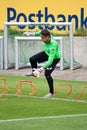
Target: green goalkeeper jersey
(51, 49)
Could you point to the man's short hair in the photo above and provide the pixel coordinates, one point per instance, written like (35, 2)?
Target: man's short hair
(45, 32)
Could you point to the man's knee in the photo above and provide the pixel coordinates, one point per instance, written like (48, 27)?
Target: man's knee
(31, 59)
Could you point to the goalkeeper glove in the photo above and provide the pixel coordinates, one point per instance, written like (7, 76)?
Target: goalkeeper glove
(29, 33)
(40, 69)
(37, 72)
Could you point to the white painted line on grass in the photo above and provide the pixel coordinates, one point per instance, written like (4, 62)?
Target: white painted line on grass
(60, 99)
(68, 99)
(44, 117)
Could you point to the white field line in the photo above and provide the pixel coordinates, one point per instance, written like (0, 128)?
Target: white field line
(60, 99)
(45, 117)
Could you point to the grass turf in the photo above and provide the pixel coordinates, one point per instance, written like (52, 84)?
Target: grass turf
(12, 107)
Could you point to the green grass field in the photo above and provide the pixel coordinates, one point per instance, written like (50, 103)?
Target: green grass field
(36, 113)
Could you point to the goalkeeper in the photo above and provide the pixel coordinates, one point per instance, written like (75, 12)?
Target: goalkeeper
(51, 55)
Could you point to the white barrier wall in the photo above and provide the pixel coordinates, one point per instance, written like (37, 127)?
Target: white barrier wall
(1, 52)
(80, 50)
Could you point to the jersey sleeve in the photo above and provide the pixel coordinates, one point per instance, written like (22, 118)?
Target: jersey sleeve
(37, 33)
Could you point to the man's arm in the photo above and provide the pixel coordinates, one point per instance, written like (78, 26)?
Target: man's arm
(32, 33)
(50, 57)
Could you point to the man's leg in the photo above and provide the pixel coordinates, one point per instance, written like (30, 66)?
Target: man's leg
(48, 76)
(38, 58)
